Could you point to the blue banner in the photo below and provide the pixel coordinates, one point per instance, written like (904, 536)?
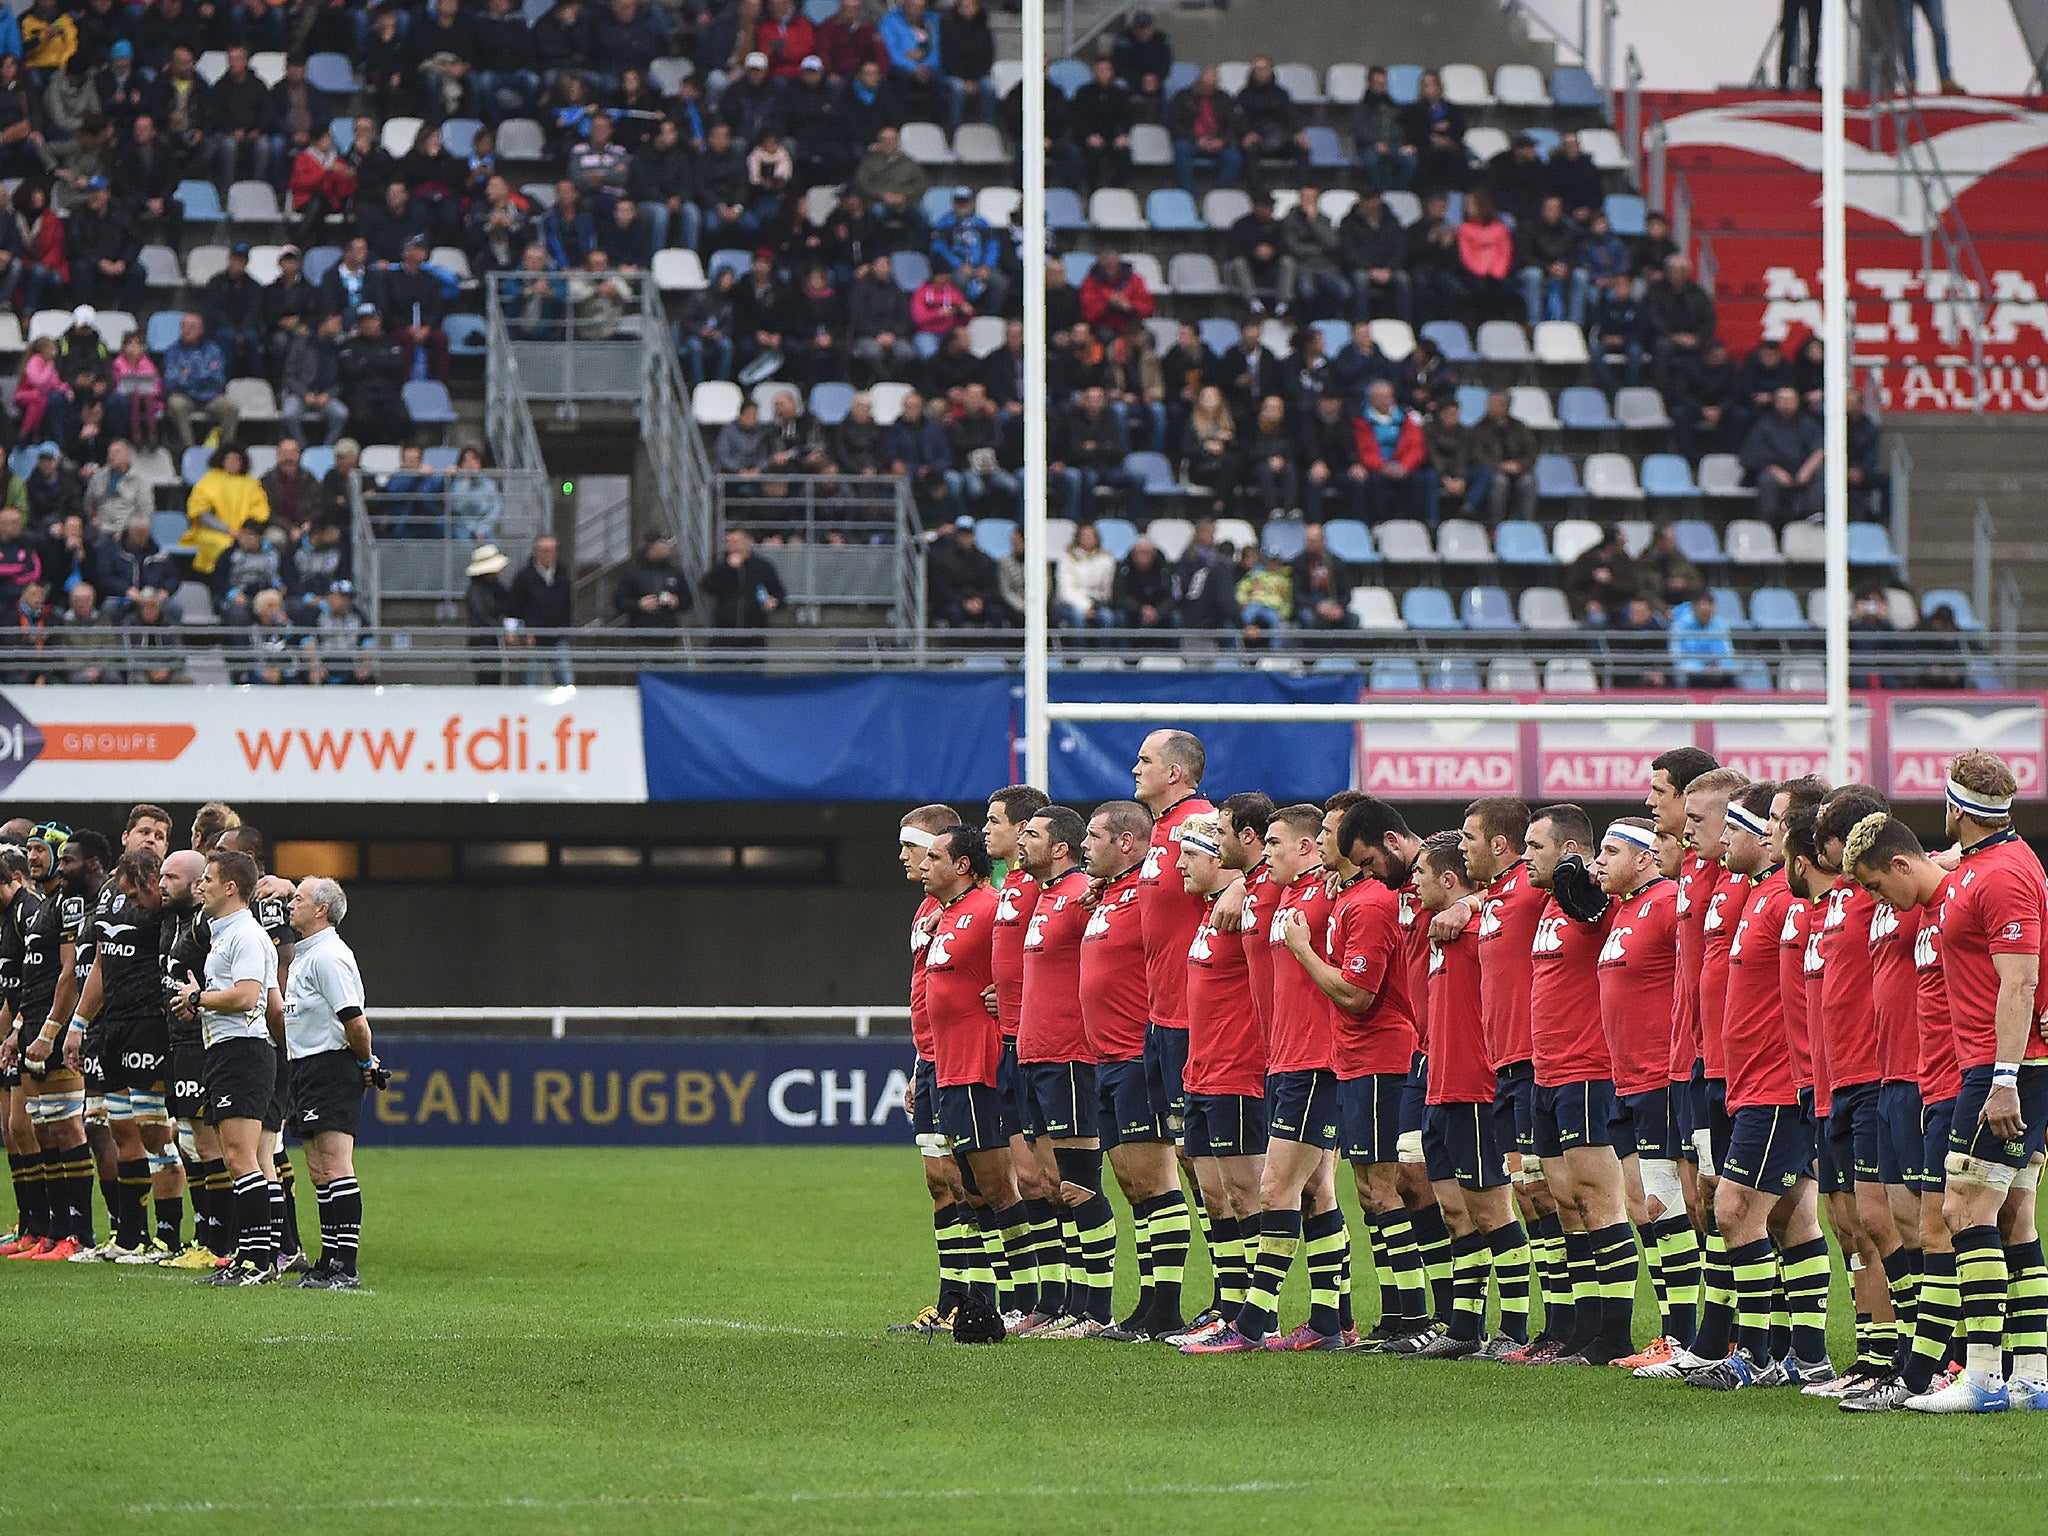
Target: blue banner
(1092, 761)
(657, 1093)
(726, 736)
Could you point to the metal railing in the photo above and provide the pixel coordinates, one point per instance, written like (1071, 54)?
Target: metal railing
(1510, 661)
(573, 349)
(639, 1021)
(678, 471)
(424, 524)
(843, 539)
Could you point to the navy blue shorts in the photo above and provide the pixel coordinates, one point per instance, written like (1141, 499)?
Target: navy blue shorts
(1010, 1091)
(1833, 1176)
(1853, 1126)
(1643, 1126)
(1123, 1105)
(971, 1115)
(1059, 1098)
(924, 1098)
(1226, 1125)
(1461, 1142)
(1974, 1139)
(1370, 1109)
(1689, 1109)
(1166, 1070)
(1415, 1095)
(1900, 1145)
(1720, 1128)
(1573, 1115)
(1770, 1148)
(1302, 1107)
(1935, 1121)
(1514, 1108)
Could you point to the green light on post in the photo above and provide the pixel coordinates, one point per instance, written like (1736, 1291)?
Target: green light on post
(568, 487)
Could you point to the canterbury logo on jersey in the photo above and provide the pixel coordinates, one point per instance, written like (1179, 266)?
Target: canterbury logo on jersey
(1406, 914)
(1713, 920)
(1436, 957)
(1278, 932)
(1925, 955)
(1811, 965)
(1838, 910)
(1735, 948)
(1155, 857)
(1489, 918)
(1098, 924)
(1549, 936)
(1200, 950)
(1034, 932)
(1790, 931)
(1006, 906)
(938, 956)
(1615, 950)
(1884, 921)
(1249, 923)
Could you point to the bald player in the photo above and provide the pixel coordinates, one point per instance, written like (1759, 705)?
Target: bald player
(959, 1239)
(1116, 995)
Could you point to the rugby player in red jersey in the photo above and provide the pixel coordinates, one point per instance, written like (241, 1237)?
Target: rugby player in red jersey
(1671, 775)
(1464, 1150)
(959, 1238)
(1369, 848)
(1508, 906)
(1244, 906)
(1638, 977)
(1115, 1007)
(1168, 780)
(1575, 1093)
(1766, 1186)
(1301, 1083)
(1017, 896)
(1058, 1071)
(1894, 988)
(1226, 1078)
(966, 1041)
(1885, 856)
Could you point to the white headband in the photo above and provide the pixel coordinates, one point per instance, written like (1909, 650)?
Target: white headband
(916, 837)
(1749, 821)
(1981, 806)
(1641, 837)
(1201, 842)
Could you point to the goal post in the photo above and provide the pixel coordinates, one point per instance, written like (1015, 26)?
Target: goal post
(1833, 714)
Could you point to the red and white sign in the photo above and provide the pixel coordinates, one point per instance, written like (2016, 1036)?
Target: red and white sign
(1926, 733)
(401, 744)
(1603, 760)
(1751, 165)
(1774, 751)
(1439, 759)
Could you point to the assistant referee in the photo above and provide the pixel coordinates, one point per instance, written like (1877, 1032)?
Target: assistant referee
(327, 1037)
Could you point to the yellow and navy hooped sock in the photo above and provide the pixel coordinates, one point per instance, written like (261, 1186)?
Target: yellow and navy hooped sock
(1680, 1246)
(1511, 1277)
(1902, 1279)
(1469, 1263)
(1279, 1239)
(1553, 1273)
(2026, 1310)
(1755, 1266)
(1614, 1267)
(1226, 1257)
(1170, 1229)
(1323, 1241)
(1048, 1258)
(1935, 1322)
(950, 1232)
(1585, 1284)
(1804, 1271)
(1411, 1287)
(1981, 1280)
(1717, 1317)
(1346, 1318)
(1433, 1244)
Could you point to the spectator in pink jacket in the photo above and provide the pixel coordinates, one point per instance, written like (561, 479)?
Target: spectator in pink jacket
(938, 306)
(41, 397)
(1486, 250)
(138, 392)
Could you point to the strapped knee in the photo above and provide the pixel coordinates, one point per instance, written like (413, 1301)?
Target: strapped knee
(95, 1109)
(148, 1107)
(1965, 1169)
(2029, 1177)
(1660, 1183)
(118, 1105)
(1408, 1148)
(1703, 1145)
(54, 1108)
(934, 1144)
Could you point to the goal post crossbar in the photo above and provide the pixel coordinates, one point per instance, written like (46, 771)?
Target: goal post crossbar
(1149, 712)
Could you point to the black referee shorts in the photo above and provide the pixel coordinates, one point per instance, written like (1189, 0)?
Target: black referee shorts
(326, 1094)
(241, 1076)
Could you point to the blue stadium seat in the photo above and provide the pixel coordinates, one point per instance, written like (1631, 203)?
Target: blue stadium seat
(1521, 543)
(1068, 74)
(335, 76)
(1625, 212)
(1571, 86)
(167, 528)
(1776, 608)
(427, 403)
(1350, 541)
(1395, 674)
(458, 135)
(1281, 538)
(1957, 603)
(831, 400)
(1452, 339)
(1454, 674)
(1157, 470)
(1429, 608)
(738, 261)
(1171, 210)
(1063, 210)
(1118, 535)
(321, 260)
(1667, 475)
(1471, 402)
(1218, 334)
(1584, 409)
(195, 462)
(1698, 542)
(1078, 264)
(1336, 335)
(1326, 151)
(1404, 82)
(1488, 608)
(162, 329)
(1871, 544)
(992, 536)
(201, 202)
(913, 269)
(1180, 77)
(318, 461)
(442, 456)
(1728, 605)
(1557, 478)
(466, 335)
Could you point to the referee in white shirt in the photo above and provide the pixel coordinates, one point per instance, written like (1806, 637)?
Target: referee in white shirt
(327, 1037)
(240, 1063)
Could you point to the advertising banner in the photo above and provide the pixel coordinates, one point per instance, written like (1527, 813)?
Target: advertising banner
(1926, 732)
(1777, 750)
(1440, 759)
(399, 744)
(475, 1091)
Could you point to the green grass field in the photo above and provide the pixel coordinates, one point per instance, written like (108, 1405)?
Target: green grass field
(659, 1341)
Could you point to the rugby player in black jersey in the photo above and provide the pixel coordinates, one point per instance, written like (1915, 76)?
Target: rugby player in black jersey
(56, 1087)
(19, 900)
(181, 951)
(123, 1000)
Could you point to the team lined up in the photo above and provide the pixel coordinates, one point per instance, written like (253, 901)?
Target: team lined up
(1662, 1047)
(163, 1016)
